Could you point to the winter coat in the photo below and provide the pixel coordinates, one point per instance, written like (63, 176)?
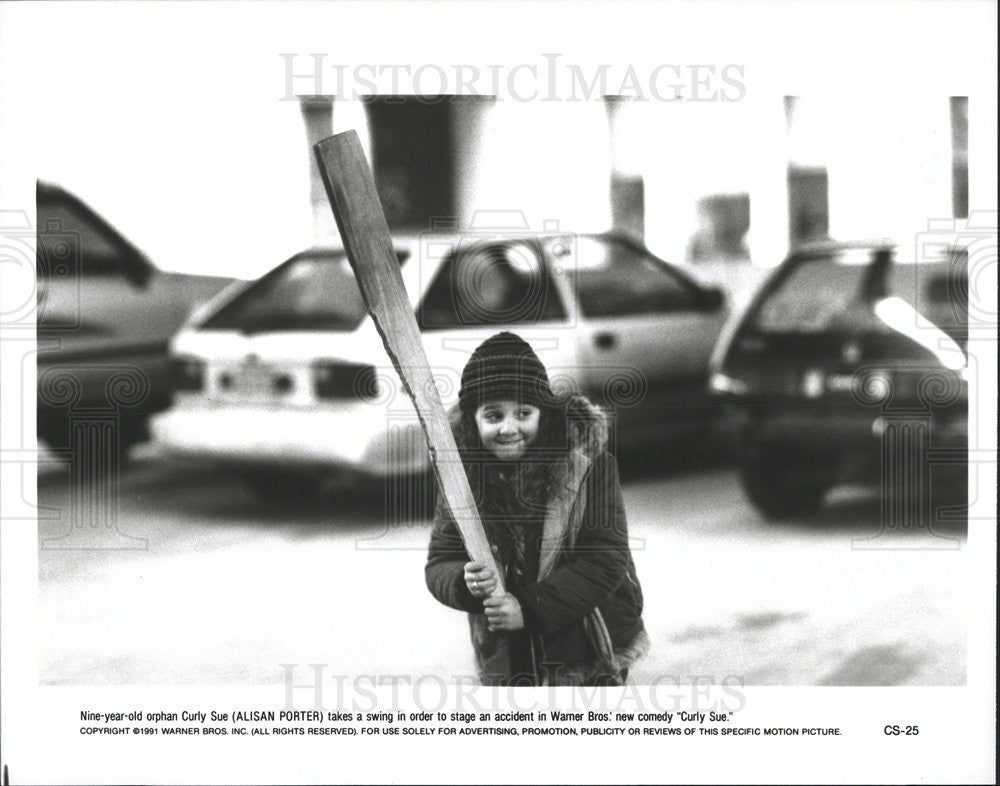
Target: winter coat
(584, 612)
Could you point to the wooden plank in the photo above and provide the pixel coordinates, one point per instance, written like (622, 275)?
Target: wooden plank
(359, 215)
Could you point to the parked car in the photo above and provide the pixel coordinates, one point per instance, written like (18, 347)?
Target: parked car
(105, 315)
(849, 365)
(288, 378)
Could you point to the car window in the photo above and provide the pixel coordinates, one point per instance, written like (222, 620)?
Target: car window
(491, 284)
(67, 234)
(309, 292)
(616, 279)
(839, 293)
(938, 292)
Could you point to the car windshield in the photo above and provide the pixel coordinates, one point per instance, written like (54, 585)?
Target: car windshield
(311, 291)
(616, 279)
(860, 291)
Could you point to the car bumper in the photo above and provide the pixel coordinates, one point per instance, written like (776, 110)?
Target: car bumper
(846, 428)
(861, 440)
(362, 439)
(81, 384)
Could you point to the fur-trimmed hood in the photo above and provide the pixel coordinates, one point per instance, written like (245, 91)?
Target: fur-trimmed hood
(585, 603)
(587, 427)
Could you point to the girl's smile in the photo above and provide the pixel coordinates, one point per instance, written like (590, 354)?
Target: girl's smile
(507, 428)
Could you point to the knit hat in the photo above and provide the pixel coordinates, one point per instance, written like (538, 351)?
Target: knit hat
(504, 367)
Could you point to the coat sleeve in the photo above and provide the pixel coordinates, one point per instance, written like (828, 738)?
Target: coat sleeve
(589, 573)
(445, 568)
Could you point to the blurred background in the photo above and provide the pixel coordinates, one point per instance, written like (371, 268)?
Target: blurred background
(729, 181)
(223, 458)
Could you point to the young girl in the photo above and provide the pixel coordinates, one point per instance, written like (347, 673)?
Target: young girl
(551, 505)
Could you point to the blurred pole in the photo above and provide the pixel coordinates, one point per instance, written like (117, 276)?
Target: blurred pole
(890, 164)
(673, 174)
(767, 238)
(317, 114)
(628, 193)
(808, 179)
(959, 156)
(472, 125)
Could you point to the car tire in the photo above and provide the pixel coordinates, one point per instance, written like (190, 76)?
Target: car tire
(782, 482)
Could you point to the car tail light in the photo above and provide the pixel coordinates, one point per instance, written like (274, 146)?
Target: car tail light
(345, 381)
(188, 374)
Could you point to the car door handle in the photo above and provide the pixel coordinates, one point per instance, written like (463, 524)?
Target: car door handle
(605, 340)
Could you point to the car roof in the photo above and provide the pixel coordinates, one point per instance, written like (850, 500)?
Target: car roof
(937, 249)
(827, 246)
(408, 240)
(50, 195)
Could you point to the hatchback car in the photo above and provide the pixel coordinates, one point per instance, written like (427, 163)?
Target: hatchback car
(850, 365)
(288, 379)
(105, 317)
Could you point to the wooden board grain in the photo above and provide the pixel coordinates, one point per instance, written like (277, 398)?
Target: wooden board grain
(363, 229)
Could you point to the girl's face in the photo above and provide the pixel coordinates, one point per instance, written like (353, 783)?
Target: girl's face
(507, 428)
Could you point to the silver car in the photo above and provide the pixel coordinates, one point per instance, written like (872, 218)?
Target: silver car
(287, 379)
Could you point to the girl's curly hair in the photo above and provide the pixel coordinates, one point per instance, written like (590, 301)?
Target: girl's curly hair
(519, 491)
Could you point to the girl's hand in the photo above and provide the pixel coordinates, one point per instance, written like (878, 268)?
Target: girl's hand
(480, 579)
(503, 613)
